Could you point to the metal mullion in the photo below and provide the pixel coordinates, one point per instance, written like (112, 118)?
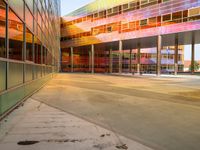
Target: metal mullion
(7, 45)
(24, 44)
(33, 54)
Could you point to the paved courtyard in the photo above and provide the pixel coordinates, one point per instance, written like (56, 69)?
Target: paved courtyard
(158, 113)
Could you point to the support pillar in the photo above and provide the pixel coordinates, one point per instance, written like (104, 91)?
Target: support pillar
(138, 58)
(193, 54)
(72, 58)
(176, 55)
(130, 65)
(110, 61)
(120, 56)
(159, 46)
(92, 58)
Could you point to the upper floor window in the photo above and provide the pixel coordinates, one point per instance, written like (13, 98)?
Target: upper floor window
(194, 14)
(166, 18)
(194, 11)
(125, 6)
(144, 2)
(143, 22)
(109, 29)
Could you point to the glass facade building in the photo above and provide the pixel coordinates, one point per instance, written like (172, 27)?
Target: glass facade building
(132, 36)
(29, 47)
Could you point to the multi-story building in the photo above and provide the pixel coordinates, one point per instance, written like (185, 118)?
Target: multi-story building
(141, 36)
(29, 47)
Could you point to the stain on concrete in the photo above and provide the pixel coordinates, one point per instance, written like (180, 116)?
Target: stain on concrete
(122, 147)
(27, 142)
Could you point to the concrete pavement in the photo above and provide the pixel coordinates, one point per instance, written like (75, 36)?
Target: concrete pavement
(160, 113)
(36, 126)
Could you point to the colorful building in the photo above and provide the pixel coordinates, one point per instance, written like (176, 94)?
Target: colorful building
(136, 36)
(29, 48)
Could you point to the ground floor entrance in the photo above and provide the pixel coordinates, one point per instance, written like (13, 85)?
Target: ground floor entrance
(167, 54)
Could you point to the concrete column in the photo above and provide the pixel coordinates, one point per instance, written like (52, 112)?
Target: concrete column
(138, 58)
(130, 65)
(193, 54)
(159, 47)
(92, 58)
(120, 56)
(90, 61)
(176, 55)
(110, 61)
(72, 58)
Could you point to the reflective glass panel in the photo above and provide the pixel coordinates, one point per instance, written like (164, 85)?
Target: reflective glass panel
(2, 28)
(15, 36)
(29, 45)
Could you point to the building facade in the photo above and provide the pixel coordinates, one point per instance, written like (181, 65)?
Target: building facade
(136, 36)
(29, 48)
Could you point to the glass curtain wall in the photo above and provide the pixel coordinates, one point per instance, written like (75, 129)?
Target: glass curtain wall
(29, 42)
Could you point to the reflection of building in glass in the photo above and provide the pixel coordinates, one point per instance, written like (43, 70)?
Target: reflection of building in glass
(29, 47)
(143, 36)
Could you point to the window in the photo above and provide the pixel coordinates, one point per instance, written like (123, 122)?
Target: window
(133, 5)
(95, 31)
(28, 72)
(95, 15)
(28, 18)
(109, 11)
(153, 21)
(125, 26)
(132, 25)
(116, 9)
(37, 52)
(15, 74)
(79, 20)
(113, 27)
(109, 29)
(143, 22)
(177, 15)
(30, 5)
(15, 36)
(166, 18)
(194, 12)
(49, 58)
(18, 6)
(2, 76)
(143, 2)
(3, 29)
(151, 1)
(44, 53)
(29, 45)
(125, 6)
(165, 0)
(84, 19)
(102, 14)
(185, 15)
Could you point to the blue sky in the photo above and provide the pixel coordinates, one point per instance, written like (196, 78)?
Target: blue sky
(68, 6)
